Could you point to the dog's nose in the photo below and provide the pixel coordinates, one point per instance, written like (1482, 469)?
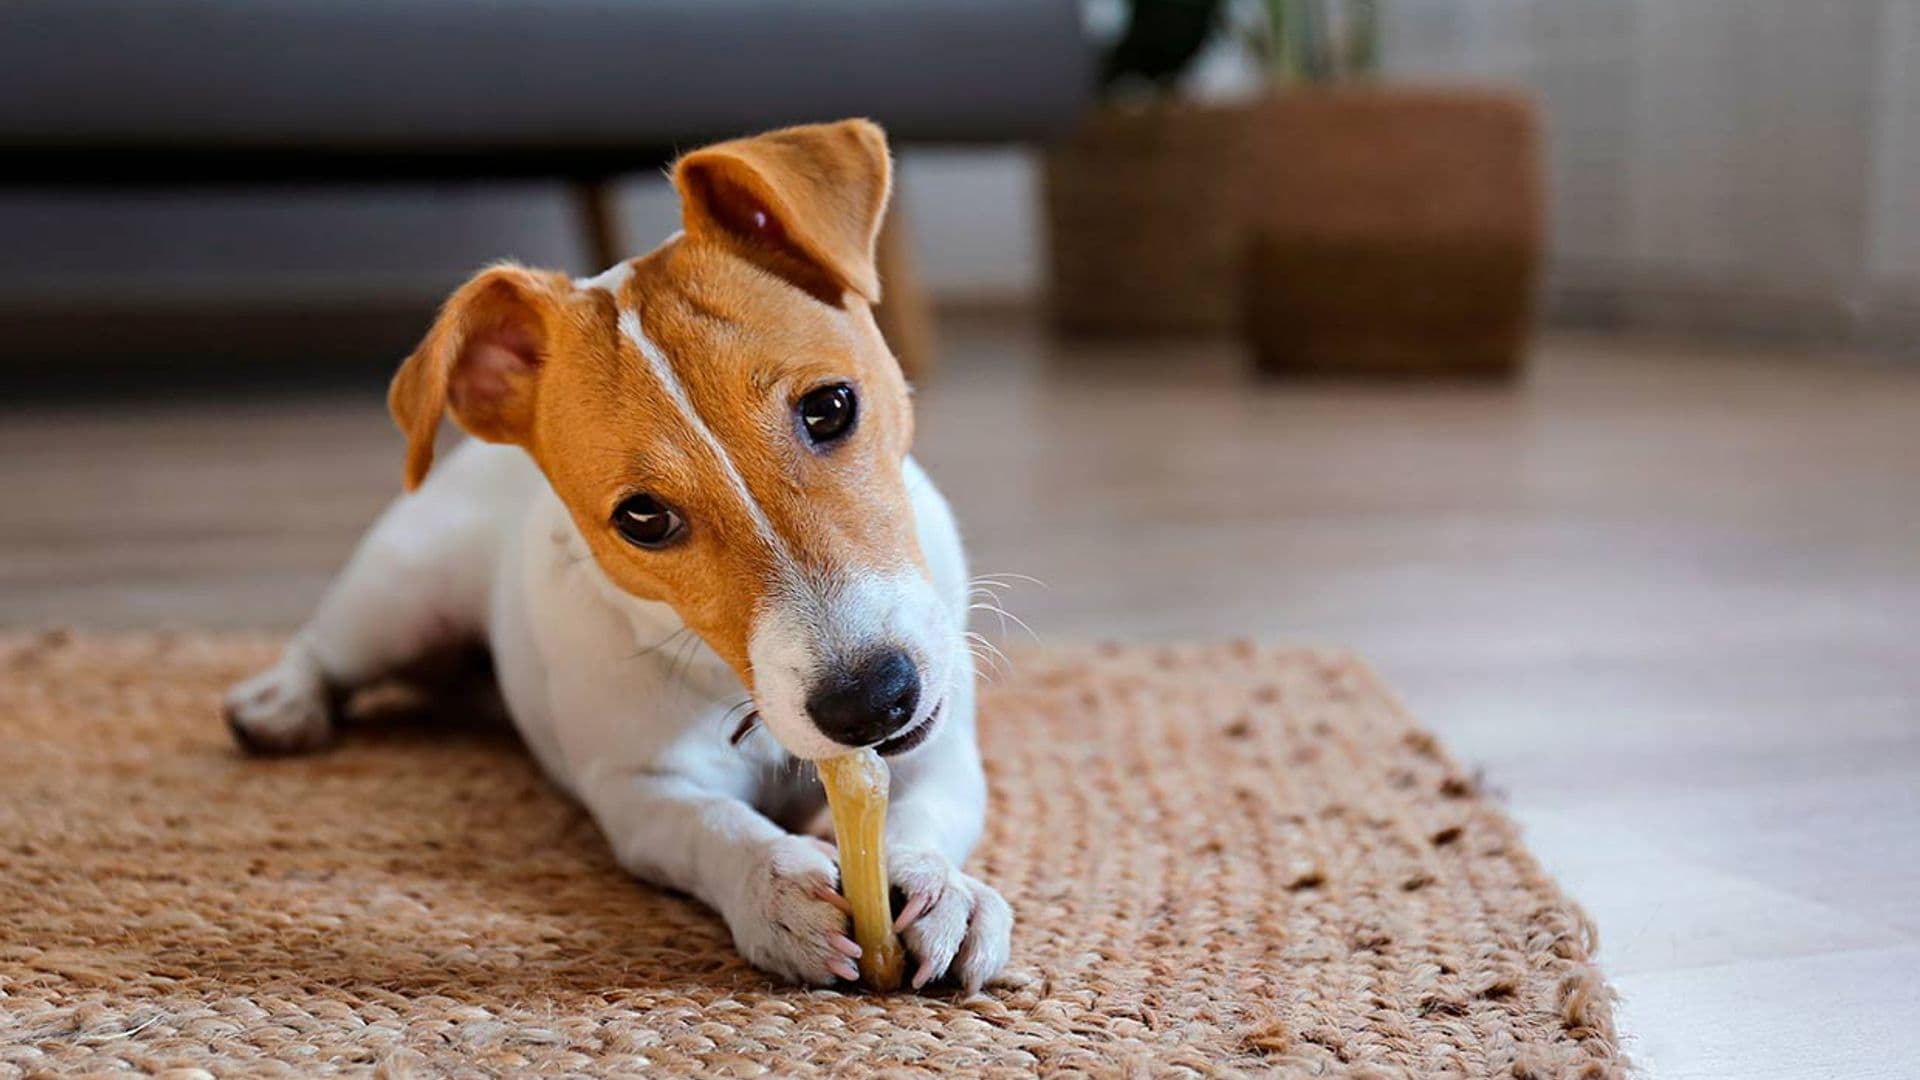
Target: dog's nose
(868, 701)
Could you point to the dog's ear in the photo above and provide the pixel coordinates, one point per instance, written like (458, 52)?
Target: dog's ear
(806, 202)
(481, 361)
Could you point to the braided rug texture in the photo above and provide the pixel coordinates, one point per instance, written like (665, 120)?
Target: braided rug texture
(1222, 860)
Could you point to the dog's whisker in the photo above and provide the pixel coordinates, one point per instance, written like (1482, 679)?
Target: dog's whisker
(985, 594)
(661, 644)
(1000, 579)
(994, 609)
(690, 652)
(983, 603)
(1004, 616)
(683, 656)
(999, 662)
(984, 657)
(991, 651)
(1021, 623)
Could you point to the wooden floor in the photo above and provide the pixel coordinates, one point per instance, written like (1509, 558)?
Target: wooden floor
(1668, 599)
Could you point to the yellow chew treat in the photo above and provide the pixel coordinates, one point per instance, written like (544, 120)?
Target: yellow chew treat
(857, 793)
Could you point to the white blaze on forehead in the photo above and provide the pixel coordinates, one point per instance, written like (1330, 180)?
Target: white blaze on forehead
(610, 280)
(781, 643)
(663, 371)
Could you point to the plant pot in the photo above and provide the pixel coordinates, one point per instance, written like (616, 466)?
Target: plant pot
(1393, 230)
(1142, 238)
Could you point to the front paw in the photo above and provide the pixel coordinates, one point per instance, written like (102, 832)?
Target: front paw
(953, 924)
(790, 919)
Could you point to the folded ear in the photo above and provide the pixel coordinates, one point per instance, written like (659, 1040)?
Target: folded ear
(804, 201)
(481, 359)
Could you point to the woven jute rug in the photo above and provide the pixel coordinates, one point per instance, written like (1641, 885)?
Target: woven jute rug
(1223, 859)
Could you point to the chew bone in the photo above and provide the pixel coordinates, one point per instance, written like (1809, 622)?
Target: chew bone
(857, 794)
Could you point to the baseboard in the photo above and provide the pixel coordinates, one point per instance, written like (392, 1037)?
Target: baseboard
(1883, 320)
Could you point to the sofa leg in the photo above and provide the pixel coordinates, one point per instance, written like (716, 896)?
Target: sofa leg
(905, 314)
(593, 201)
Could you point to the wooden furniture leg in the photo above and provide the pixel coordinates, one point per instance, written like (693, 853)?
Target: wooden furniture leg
(600, 221)
(905, 314)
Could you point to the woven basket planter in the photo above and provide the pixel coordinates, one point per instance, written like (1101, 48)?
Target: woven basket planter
(1142, 235)
(1392, 231)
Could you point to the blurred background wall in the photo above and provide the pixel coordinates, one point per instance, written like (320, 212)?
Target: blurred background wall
(1715, 164)
(1745, 167)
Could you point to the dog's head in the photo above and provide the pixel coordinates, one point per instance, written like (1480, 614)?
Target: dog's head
(727, 428)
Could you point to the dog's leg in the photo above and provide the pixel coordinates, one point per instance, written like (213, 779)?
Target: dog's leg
(415, 585)
(954, 924)
(778, 892)
(284, 709)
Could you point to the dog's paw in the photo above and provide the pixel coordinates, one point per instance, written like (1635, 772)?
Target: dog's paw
(791, 920)
(955, 926)
(284, 709)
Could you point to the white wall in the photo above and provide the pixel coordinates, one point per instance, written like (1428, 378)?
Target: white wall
(1737, 164)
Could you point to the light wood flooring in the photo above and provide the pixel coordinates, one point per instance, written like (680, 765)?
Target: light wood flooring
(1668, 598)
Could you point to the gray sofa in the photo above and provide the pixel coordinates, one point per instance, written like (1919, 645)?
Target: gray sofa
(326, 87)
(116, 92)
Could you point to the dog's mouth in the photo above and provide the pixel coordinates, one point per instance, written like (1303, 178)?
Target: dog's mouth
(899, 744)
(911, 737)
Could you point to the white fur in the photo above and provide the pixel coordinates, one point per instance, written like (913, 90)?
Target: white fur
(632, 716)
(610, 280)
(807, 631)
(662, 369)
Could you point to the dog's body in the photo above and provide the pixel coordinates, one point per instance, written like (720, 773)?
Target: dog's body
(705, 506)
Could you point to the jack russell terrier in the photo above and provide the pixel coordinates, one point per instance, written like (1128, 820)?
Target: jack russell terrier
(688, 494)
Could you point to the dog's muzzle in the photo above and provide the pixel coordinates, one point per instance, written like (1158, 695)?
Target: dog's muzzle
(868, 702)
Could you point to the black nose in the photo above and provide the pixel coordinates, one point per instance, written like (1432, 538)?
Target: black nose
(868, 701)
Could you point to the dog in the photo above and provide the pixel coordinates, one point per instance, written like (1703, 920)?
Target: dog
(687, 492)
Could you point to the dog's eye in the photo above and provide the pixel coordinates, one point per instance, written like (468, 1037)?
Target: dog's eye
(827, 413)
(645, 521)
